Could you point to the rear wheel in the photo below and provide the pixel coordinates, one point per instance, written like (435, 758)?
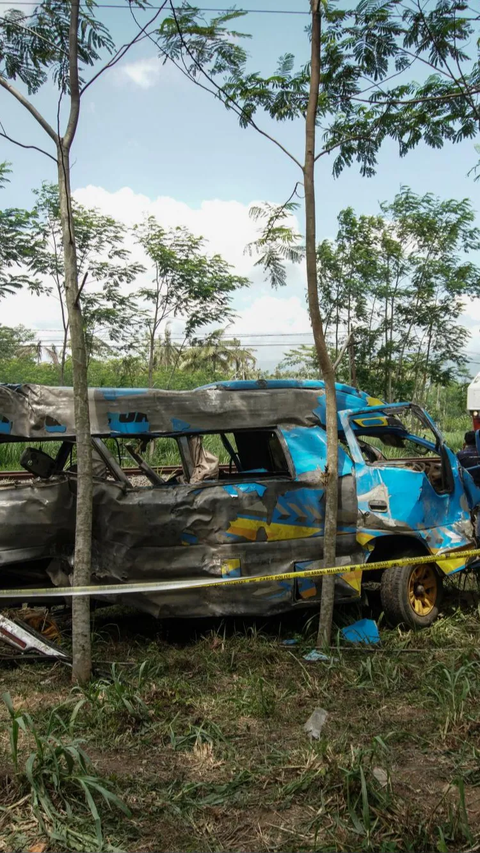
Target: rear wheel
(411, 595)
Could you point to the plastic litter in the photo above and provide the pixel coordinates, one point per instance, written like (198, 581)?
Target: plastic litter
(363, 631)
(292, 642)
(316, 655)
(315, 723)
(381, 776)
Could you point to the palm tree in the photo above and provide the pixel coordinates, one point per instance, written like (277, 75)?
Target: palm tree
(219, 355)
(165, 352)
(243, 359)
(301, 361)
(210, 354)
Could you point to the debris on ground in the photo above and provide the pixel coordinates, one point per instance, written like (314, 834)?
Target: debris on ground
(25, 638)
(39, 619)
(315, 723)
(363, 631)
(316, 655)
(381, 776)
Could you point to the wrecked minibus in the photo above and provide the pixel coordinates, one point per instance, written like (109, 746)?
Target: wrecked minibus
(243, 495)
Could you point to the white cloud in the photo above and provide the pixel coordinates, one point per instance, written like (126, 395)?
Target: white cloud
(144, 72)
(34, 312)
(275, 314)
(226, 225)
(471, 313)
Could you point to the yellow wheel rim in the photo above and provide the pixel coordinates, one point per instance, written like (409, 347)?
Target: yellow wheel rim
(423, 589)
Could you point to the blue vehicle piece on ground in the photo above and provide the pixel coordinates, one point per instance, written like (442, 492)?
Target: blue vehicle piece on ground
(259, 509)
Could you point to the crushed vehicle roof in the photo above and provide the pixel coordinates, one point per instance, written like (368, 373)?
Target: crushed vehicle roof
(42, 412)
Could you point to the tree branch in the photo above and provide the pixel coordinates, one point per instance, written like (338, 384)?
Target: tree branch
(229, 97)
(413, 101)
(357, 138)
(31, 109)
(126, 47)
(38, 36)
(74, 83)
(77, 300)
(22, 145)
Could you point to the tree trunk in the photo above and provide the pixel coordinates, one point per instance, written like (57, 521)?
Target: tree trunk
(64, 355)
(151, 357)
(385, 371)
(151, 364)
(352, 367)
(326, 367)
(337, 319)
(82, 661)
(58, 282)
(425, 370)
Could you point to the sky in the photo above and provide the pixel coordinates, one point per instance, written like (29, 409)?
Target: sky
(149, 142)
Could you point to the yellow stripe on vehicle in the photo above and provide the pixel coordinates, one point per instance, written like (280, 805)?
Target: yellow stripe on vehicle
(248, 528)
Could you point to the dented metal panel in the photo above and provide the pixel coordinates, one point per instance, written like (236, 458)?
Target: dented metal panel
(37, 520)
(220, 529)
(225, 522)
(402, 500)
(37, 411)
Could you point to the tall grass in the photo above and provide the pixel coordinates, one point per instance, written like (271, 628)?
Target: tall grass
(57, 774)
(165, 452)
(10, 452)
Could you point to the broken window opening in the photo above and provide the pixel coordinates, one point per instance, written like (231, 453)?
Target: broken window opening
(237, 455)
(11, 452)
(162, 461)
(404, 440)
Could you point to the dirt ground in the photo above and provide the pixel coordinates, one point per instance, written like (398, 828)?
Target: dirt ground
(198, 733)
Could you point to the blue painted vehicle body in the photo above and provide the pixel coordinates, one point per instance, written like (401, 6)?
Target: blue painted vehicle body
(262, 512)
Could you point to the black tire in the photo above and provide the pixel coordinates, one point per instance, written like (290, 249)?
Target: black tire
(411, 595)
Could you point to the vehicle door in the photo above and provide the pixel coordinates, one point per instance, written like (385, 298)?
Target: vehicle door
(407, 478)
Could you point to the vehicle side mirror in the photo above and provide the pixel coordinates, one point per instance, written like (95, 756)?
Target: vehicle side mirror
(39, 463)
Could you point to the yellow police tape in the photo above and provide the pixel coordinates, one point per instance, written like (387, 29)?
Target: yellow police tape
(169, 586)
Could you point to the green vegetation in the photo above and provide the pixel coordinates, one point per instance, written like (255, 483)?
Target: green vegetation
(63, 788)
(399, 280)
(200, 738)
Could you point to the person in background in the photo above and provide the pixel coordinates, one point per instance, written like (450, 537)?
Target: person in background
(469, 458)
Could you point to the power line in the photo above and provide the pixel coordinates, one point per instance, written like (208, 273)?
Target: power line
(233, 334)
(32, 3)
(118, 345)
(14, 4)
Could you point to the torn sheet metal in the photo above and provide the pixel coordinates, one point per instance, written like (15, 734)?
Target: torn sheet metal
(37, 411)
(242, 520)
(409, 498)
(25, 639)
(225, 531)
(226, 524)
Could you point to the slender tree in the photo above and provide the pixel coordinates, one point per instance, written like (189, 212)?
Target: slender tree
(104, 269)
(17, 246)
(353, 54)
(50, 42)
(205, 52)
(187, 283)
(58, 38)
